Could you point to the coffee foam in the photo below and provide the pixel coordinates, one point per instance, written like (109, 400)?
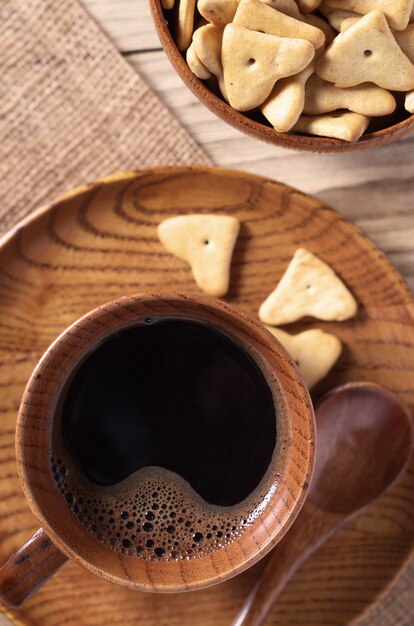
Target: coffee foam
(155, 513)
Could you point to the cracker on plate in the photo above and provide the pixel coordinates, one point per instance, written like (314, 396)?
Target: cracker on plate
(308, 287)
(206, 243)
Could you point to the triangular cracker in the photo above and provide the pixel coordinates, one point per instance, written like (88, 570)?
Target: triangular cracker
(366, 99)
(308, 287)
(337, 17)
(405, 40)
(397, 12)
(367, 52)
(350, 21)
(306, 6)
(409, 101)
(285, 104)
(219, 12)
(185, 23)
(206, 242)
(196, 66)
(207, 42)
(314, 352)
(253, 62)
(288, 7)
(318, 22)
(339, 124)
(255, 15)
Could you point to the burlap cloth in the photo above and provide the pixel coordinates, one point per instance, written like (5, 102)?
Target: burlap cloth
(72, 110)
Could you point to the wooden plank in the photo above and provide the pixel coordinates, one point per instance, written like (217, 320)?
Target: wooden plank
(128, 23)
(374, 189)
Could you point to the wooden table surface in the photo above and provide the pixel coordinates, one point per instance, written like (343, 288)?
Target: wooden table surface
(374, 189)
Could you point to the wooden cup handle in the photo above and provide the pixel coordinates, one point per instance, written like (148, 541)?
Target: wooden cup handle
(28, 568)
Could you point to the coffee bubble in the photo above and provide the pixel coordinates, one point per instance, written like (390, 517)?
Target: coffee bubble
(131, 518)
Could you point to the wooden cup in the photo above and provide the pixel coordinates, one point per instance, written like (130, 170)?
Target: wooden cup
(62, 536)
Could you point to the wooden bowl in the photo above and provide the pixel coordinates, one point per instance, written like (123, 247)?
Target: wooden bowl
(307, 143)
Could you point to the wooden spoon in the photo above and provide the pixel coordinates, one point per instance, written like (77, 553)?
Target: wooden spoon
(364, 442)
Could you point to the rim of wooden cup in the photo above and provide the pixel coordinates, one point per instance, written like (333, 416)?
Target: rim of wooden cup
(290, 469)
(306, 143)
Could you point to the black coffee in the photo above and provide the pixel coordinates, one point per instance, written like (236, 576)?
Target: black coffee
(171, 427)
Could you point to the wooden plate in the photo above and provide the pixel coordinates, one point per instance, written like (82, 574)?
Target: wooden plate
(99, 243)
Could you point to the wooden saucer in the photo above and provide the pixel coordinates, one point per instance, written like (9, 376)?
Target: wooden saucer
(98, 243)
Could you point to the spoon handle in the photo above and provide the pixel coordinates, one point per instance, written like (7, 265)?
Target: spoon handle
(311, 529)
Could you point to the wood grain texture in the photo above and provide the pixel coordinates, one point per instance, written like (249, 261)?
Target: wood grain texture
(365, 441)
(165, 24)
(128, 23)
(290, 470)
(102, 244)
(29, 568)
